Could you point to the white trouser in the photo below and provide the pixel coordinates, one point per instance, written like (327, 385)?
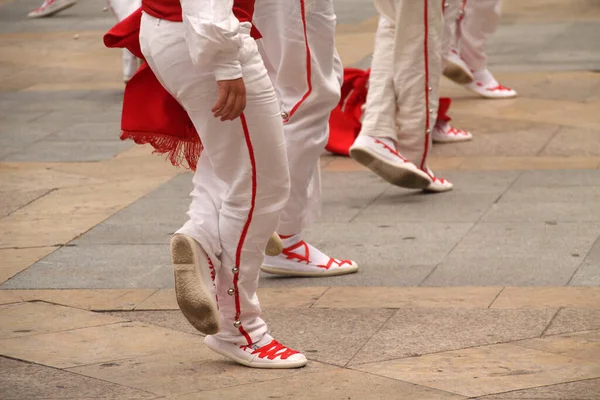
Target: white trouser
(298, 48)
(452, 13)
(122, 9)
(480, 21)
(403, 91)
(242, 181)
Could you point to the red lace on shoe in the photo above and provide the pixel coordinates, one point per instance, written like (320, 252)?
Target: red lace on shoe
(434, 178)
(288, 252)
(498, 87)
(456, 132)
(45, 5)
(393, 151)
(272, 350)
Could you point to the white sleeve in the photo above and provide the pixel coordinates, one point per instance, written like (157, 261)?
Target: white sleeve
(212, 35)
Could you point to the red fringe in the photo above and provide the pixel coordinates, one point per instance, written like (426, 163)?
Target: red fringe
(179, 151)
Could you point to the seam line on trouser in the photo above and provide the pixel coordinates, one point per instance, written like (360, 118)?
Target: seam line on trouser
(426, 58)
(238, 254)
(308, 66)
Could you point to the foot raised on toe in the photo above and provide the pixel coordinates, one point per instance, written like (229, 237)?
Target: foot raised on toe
(267, 353)
(381, 157)
(194, 284)
(51, 7)
(438, 185)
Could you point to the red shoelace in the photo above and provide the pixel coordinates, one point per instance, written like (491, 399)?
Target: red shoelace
(272, 350)
(288, 252)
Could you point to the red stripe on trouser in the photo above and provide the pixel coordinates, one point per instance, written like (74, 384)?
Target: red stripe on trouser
(308, 65)
(238, 254)
(426, 50)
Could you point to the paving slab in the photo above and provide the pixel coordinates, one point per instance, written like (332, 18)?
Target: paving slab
(149, 220)
(13, 261)
(346, 196)
(588, 273)
(54, 151)
(486, 370)
(516, 139)
(24, 319)
(409, 297)
(558, 178)
(94, 131)
(516, 254)
(580, 345)
(187, 370)
(582, 390)
(21, 380)
(548, 297)
(414, 332)
(97, 344)
(332, 385)
(573, 142)
(170, 319)
(12, 201)
(369, 274)
(84, 299)
(334, 342)
(573, 320)
(99, 267)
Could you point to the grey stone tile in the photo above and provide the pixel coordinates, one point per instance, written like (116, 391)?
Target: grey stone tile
(178, 187)
(551, 213)
(558, 178)
(474, 193)
(569, 320)
(581, 390)
(150, 220)
(574, 142)
(516, 254)
(403, 206)
(74, 267)
(83, 114)
(414, 332)
(588, 273)
(96, 131)
(513, 141)
(369, 274)
(51, 151)
(173, 320)
(16, 136)
(12, 201)
(404, 243)
(346, 195)
(334, 342)
(551, 194)
(20, 380)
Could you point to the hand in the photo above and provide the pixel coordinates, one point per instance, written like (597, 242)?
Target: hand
(232, 99)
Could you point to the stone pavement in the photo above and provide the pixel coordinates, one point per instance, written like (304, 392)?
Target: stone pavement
(491, 291)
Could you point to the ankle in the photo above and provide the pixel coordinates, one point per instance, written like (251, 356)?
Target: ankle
(290, 240)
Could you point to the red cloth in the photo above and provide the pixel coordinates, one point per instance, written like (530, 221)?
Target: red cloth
(150, 114)
(344, 122)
